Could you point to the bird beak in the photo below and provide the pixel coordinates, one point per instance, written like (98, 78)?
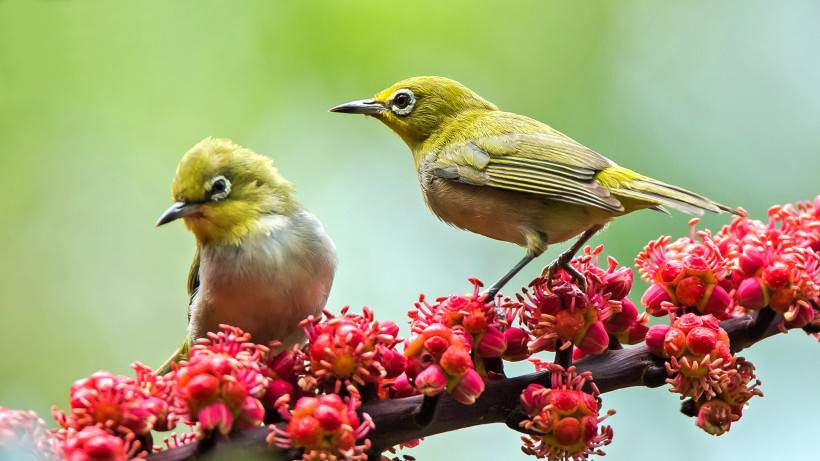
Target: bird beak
(176, 211)
(362, 106)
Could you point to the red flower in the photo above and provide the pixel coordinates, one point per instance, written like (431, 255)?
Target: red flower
(93, 443)
(564, 419)
(687, 272)
(439, 360)
(698, 353)
(222, 384)
(349, 349)
(119, 404)
(324, 427)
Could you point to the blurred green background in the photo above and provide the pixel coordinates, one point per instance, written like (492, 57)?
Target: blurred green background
(99, 100)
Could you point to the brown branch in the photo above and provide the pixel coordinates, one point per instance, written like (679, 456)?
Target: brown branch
(398, 420)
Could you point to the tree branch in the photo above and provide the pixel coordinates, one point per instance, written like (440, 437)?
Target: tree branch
(398, 420)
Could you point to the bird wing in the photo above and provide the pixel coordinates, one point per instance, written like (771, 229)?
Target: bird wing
(193, 281)
(547, 164)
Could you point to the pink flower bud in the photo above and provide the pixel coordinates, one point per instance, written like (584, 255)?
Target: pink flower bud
(493, 344)
(690, 290)
(636, 333)
(94, 444)
(718, 303)
(438, 329)
(688, 321)
(596, 339)
(571, 296)
(777, 275)
(621, 321)
(654, 298)
(202, 388)
(436, 345)
(751, 260)
(431, 381)
(305, 431)
(674, 344)
(568, 431)
(216, 416)
(516, 339)
(670, 270)
(475, 323)
(701, 340)
(534, 398)
(276, 389)
(565, 402)
(695, 264)
(655, 338)
(329, 418)
(389, 327)
(251, 414)
(549, 303)
(402, 387)
(618, 283)
(394, 362)
(455, 361)
(234, 393)
(469, 388)
(751, 294)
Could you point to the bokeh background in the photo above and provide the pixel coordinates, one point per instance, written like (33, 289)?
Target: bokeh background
(98, 101)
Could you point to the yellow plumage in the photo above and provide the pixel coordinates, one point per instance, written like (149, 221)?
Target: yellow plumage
(508, 176)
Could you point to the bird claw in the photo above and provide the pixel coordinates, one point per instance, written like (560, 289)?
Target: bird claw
(490, 297)
(563, 263)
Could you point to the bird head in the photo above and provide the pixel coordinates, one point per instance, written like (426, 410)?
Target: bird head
(416, 107)
(221, 190)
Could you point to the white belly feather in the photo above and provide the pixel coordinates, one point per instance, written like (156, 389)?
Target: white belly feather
(269, 283)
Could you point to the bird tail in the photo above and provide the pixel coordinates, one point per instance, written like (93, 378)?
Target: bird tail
(180, 354)
(623, 182)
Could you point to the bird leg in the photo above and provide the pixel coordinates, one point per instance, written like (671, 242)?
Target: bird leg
(563, 260)
(496, 287)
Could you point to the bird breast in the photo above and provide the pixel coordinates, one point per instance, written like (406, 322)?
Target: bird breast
(270, 282)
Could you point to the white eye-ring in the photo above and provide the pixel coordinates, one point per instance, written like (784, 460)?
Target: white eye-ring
(218, 188)
(402, 102)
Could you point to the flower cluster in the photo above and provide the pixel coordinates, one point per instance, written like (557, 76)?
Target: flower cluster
(439, 360)
(473, 317)
(123, 407)
(697, 353)
(776, 264)
(701, 366)
(23, 435)
(325, 427)
(559, 314)
(221, 385)
(93, 443)
(685, 274)
(563, 419)
(351, 349)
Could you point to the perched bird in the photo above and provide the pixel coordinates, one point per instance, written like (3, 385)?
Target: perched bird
(263, 263)
(509, 177)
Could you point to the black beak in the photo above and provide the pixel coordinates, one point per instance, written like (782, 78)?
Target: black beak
(176, 211)
(362, 106)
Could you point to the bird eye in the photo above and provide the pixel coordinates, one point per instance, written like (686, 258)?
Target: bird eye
(218, 188)
(403, 101)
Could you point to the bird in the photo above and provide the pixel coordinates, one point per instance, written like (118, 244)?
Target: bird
(510, 177)
(263, 263)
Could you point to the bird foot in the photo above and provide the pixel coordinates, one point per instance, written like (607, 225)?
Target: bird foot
(563, 262)
(490, 297)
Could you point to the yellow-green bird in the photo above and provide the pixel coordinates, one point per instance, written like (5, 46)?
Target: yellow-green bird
(510, 177)
(263, 263)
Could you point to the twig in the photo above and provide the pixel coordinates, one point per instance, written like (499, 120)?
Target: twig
(397, 421)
